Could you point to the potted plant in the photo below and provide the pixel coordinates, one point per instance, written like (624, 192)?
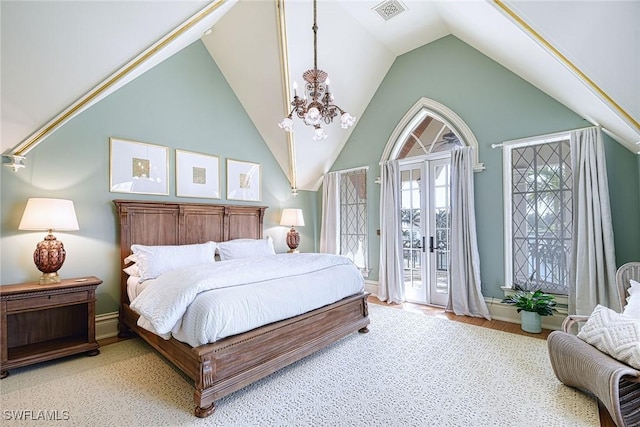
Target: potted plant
(531, 304)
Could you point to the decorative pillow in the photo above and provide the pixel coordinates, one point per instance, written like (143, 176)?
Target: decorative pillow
(156, 260)
(632, 308)
(614, 334)
(132, 270)
(244, 248)
(131, 258)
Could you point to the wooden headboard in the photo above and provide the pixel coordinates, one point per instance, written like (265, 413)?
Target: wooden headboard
(177, 223)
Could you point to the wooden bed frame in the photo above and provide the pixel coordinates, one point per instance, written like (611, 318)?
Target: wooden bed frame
(232, 363)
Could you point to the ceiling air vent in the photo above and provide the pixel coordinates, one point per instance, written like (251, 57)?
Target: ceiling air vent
(389, 8)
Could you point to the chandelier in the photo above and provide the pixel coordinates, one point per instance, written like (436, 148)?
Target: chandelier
(316, 105)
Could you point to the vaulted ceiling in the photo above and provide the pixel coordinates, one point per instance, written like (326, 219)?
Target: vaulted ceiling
(60, 57)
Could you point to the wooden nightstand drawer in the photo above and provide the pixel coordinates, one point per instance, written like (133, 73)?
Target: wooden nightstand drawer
(46, 301)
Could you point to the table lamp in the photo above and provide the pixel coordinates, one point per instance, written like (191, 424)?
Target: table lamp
(293, 218)
(49, 214)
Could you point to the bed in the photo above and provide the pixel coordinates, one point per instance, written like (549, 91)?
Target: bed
(229, 364)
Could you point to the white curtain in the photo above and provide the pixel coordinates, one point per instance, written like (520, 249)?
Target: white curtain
(330, 226)
(390, 283)
(465, 296)
(593, 267)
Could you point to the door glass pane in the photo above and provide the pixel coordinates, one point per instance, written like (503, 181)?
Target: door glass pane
(411, 228)
(442, 225)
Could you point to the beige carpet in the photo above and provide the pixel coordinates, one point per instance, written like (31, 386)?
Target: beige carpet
(410, 370)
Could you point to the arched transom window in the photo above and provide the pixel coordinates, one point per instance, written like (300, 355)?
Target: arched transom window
(429, 128)
(429, 136)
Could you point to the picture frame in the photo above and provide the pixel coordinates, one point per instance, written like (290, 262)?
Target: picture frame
(197, 175)
(138, 167)
(244, 180)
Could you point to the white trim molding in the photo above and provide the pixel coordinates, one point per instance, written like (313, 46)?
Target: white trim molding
(422, 108)
(507, 183)
(106, 325)
(508, 313)
(371, 287)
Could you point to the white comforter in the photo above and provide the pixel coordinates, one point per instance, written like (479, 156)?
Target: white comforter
(204, 303)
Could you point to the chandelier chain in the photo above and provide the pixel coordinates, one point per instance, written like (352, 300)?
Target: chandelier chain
(315, 37)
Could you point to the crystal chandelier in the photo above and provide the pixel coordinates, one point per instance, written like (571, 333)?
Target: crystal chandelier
(320, 107)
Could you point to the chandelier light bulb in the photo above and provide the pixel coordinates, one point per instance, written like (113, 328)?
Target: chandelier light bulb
(286, 124)
(319, 135)
(347, 120)
(312, 118)
(295, 88)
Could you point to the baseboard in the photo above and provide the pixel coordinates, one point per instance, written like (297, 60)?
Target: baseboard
(497, 310)
(106, 325)
(371, 287)
(507, 313)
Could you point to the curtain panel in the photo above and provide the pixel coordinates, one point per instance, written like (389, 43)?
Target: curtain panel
(593, 267)
(465, 295)
(330, 223)
(390, 282)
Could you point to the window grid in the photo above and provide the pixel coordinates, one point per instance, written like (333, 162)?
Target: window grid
(541, 216)
(353, 217)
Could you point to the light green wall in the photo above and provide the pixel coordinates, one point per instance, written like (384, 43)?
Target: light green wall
(185, 103)
(498, 106)
(622, 167)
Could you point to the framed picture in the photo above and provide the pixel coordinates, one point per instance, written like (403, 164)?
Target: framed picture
(137, 167)
(244, 181)
(197, 175)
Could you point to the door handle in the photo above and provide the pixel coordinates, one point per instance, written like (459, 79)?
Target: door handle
(423, 246)
(431, 244)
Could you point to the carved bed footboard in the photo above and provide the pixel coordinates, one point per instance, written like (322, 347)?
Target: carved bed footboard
(223, 367)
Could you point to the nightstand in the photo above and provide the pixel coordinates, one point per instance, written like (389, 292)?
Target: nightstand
(44, 322)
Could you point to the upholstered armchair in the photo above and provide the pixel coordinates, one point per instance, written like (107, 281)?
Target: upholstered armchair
(581, 365)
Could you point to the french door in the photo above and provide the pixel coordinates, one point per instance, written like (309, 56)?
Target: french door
(425, 217)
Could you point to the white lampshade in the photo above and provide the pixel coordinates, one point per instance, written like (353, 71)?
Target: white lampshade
(292, 218)
(49, 214)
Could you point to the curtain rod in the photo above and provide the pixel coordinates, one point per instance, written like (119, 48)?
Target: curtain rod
(546, 136)
(348, 170)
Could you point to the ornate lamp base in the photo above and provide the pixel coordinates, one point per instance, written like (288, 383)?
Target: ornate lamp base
(49, 278)
(293, 240)
(49, 257)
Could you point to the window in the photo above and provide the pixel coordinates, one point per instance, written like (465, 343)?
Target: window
(353, 218)
(538, 213)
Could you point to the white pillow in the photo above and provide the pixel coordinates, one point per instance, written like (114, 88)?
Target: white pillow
(244, 248)
(633, 301)
(132, 270)
(613, 333)
(131, 258)
(156, 260)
